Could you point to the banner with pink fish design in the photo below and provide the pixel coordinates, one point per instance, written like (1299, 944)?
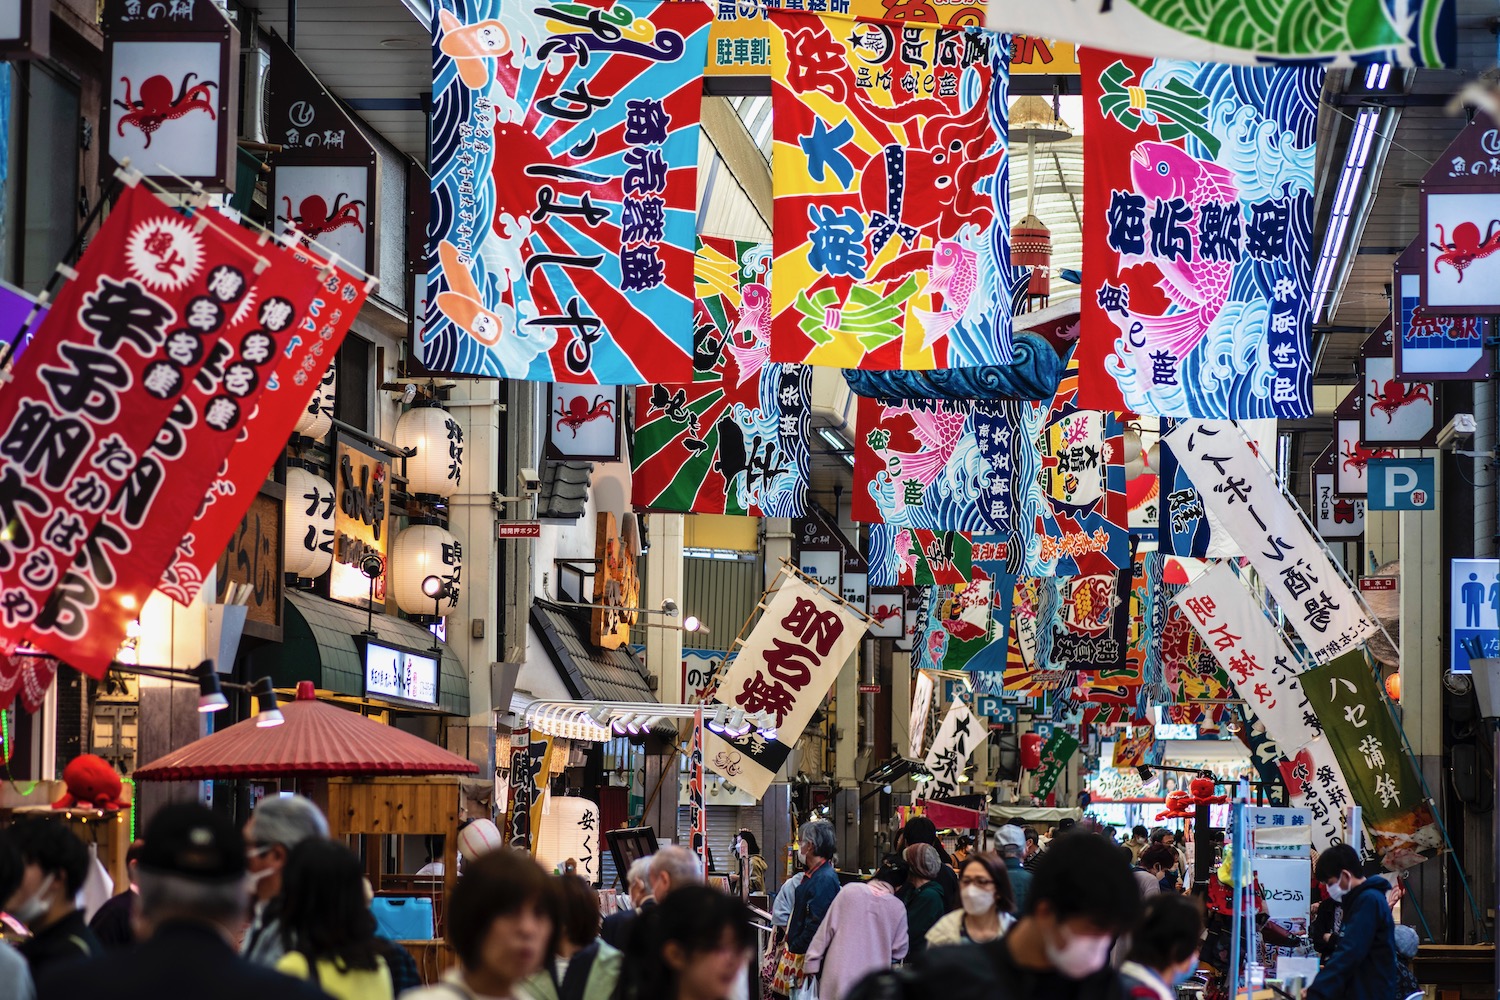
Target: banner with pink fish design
(1198, 201)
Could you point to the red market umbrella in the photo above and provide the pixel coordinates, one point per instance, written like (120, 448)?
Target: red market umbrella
(318, 740)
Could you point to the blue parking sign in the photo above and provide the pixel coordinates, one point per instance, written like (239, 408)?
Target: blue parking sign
(1043, 729)
(995, 710)
(1474, 609)
(1402, 484)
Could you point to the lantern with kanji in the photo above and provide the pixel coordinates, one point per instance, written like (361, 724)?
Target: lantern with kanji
(421, 551)
(436, 467)
(307, 513)
(1031, 751)
(317, 419)
(1031, 246)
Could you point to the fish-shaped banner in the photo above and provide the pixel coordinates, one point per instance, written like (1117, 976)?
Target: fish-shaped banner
(891, 184)
(734, 440)
(1198, 229)
(564, 170)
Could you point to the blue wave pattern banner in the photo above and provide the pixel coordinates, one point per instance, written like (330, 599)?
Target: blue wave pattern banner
(564, 167)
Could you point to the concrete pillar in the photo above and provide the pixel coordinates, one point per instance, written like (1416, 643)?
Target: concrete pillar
(664, 581)
(171, 636)
(777, 545)
(901, 682)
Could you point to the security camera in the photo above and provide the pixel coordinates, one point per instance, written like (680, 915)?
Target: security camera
(530, 481)
(1460, 428)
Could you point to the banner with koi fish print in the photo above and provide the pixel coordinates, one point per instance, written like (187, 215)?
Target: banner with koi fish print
(1198, 228)
(564, 162)
(892, 197)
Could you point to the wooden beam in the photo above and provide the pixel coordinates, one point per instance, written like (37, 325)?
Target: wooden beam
(746, 164)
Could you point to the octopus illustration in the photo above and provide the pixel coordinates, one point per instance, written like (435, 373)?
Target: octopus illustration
(313, 217)
(1395, 395)
(578, 412)
(157, 105)
(1466, 247)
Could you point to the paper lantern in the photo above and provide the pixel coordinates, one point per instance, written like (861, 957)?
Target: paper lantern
(421, 551)
(570, 829)
(317, 419)
(1031, 751)
(437, 466)
(1031, 246)
(307, 512)
(1393, 686)
(479, 837)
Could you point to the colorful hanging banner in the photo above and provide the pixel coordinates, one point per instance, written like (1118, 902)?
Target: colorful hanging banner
(957, 738)
(1055, 755)
(1091, 626)
(906, 557)
(1430, 345)
(1365, 739)
(697, 814)
(150, 302)
(1188, 527)
(734, 440)
(1262, 668)
(288, 392)
(892, 194)
(1335, 517)
(1315, 782)
(1179, 667)
(959, 622)
(1417, 33)
(1131, 750)
(784, 668)
(1199, 195)
(1394, 413)
(1027, 672)
(1273, 535)
(564, 160)
(936, 464)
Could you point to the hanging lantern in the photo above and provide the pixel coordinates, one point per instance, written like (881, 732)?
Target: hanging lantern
(317, 420)
(421, 551)
(437, 467)
(307, 512)
(1393, 686)
(1031, 751)
(1031, 246)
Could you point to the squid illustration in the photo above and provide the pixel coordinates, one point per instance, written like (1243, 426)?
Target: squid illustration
(462, 303)
(472, 46)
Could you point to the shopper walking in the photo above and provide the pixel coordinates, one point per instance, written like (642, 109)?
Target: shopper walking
(579, 966)
(500, 917)
(703, 946)
(55, 864)
(864, 930)
(114, 922)
(810, 902)
(1164, 947)
(193, 901)
(924, 895)
(988, 907)
(920, 830)
(15, 976)
(327, 929)
(671, 870)
(275, 827)
(1011, 842)
(1363, 963)
(616, 932)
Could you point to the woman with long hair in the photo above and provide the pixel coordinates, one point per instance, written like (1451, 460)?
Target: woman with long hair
(745, 842)
(326, 927)
(988, 905)
(703, 943)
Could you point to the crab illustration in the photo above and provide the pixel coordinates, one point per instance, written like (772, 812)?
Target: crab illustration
(1466, 247)
(314, 217)
(1395, 395)
(577, 413)
(157, 104)
(1357, 458)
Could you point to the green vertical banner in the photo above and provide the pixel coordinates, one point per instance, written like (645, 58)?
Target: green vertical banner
(1368, 746)
(1054, 758)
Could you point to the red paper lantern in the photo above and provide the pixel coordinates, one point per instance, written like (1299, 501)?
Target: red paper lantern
(1393, 686)
(1031, 751)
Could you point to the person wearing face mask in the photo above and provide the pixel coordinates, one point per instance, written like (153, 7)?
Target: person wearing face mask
(1083, 896)
(275, 827)
(15, 977)
(56, 863)
(865, 930)
(810, 903)
(1363, 963)
(1164, 947)
(988, 907)
(924, 894)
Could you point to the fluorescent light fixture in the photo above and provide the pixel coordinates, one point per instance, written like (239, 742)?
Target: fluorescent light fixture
(834, 439)
(1343, 200)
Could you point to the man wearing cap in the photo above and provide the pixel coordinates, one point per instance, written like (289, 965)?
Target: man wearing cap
(193, 899)
(1010, 841)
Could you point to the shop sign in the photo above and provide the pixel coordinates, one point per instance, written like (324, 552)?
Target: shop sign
(1279, 832)
(995, 709)
(698, 669)
(399, 674)
(1379, 584)
(1269, 529)
(887, 610)
(915, 605)
(617, 587)
(174, 94)
(25, 29)
(1431, 345)
(957, 739)
(870, 689)
(1461, 224)
(518, 529)
(360, 526)
(1403, 484)
(856, 579)
(1393, 413)
(1473, 609)
(1285, 887)
(1335, 517)
(584, 425)
(254, 558)
(784, 669)
(1352, 458)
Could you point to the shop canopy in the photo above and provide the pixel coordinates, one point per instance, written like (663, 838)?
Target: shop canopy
(317, 740)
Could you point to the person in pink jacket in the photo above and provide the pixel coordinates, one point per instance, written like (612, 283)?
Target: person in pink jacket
(865, 930)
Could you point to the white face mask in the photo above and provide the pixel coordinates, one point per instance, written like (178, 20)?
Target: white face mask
(1337, 892)
(1078, 956)
(30, 909)
(976, 901)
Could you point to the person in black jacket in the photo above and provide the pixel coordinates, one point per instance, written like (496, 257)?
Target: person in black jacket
(920, 830)
(113, 923)
(815, 895)
(193, 899)
(1363, 963)
(57, 862)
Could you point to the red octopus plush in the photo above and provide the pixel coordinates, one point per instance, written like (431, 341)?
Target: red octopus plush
(92, 784)
(1203, 792)
(1179, 805)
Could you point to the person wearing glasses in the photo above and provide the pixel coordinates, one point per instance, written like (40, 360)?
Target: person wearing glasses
(988, 908)
(275, 827)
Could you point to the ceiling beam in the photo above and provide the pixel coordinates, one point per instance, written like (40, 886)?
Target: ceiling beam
(742, 157)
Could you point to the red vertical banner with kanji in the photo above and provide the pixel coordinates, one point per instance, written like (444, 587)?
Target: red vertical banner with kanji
(695, 794)
(135, 542)
(147, 305)
(311, 343)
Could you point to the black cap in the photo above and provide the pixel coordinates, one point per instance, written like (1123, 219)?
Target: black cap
(191, 841)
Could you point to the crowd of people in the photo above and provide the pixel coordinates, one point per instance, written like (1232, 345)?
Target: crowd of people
(280, 909)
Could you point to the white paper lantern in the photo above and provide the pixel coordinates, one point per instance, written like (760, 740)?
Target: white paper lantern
(307, 512)
(437, 466)
(317, 419)
(478, 838)
(570, 829)
(421, 551)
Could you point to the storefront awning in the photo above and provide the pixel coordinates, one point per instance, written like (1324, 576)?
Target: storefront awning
(590, 673)
(318, 645)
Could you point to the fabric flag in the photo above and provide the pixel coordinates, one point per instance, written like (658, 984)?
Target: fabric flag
(936, 464)
(961, 733)
(326, 315)
(1373, 758)
(136, 539)
(1251, 650)
(697, 814)
(1188, 527)
(1090, 625)
(734, 439)
(1027, 672)
(25, 677)
(518, 830)
(907, 557)
(1273, 534)
(1413, 33)
(564, 159)
(1179, 661)
(1316, 783)
(959, 623)
(1131, 750)
(1055, 755)
(1199, 204)
(784, 669)
(891, 184)
(150, 302)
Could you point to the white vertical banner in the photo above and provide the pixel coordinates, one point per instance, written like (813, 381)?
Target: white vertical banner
(1261, 667)
(1270, 530)
(921, 704)
(957, 739)
(784, 669)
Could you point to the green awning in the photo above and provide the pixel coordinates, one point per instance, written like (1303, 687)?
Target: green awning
(319, 645)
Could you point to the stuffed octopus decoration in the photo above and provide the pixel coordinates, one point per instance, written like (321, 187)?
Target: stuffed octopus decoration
(91, 784)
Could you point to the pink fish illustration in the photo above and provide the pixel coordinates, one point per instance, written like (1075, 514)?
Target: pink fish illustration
(953, 274)
(939, 433)
(1198, 288)
(755, 324)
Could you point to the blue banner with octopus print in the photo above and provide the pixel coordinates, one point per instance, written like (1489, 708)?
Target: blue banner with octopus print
(564, 162)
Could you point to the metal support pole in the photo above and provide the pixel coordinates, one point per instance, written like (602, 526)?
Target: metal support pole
(1236, 898)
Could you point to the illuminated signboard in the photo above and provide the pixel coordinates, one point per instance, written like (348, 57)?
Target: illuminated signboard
(397, 674)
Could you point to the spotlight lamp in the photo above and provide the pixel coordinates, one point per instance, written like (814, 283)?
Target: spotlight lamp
(210, 694)
(267, 712)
